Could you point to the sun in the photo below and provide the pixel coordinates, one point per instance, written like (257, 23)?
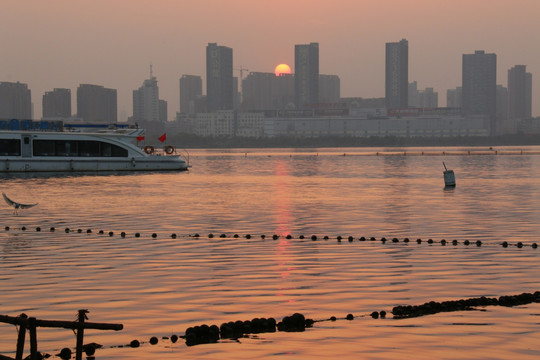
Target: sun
(282, 69)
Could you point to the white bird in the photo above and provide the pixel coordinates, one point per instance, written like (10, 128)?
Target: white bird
(17, 205)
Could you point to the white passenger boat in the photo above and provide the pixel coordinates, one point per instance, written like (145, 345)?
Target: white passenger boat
(49, 146)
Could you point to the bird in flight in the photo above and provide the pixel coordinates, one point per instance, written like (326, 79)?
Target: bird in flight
(16, 205)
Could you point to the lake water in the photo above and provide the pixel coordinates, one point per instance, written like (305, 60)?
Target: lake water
(157, 285)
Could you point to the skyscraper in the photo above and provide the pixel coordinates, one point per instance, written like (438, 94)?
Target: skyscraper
(96, 103)
(219, 77)
(146, 101)
(57, 104)
(306, 74)
(15, 101)
(329, 88)
(190, 91)
(397, 74)
(519, 93)
(479, 86)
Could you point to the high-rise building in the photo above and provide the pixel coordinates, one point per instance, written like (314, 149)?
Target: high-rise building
(501, 115)
(306, 74)
(329, 88)
(96, 103)
(453, 97)
(146, 101)
(397, 74)
(479, 86)
(219, 77)
(57, 104)
(15, 101)
(190, 91)
(519, 93)
(266, 91)
(163, 111)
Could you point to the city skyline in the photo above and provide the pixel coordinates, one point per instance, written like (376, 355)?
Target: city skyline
(115, 48)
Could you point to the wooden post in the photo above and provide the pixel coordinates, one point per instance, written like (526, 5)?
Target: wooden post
(80, 334)
(33, 338)
(20, 339)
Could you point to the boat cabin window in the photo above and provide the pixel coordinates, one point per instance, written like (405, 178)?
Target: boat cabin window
(79, 148)
(10, 147)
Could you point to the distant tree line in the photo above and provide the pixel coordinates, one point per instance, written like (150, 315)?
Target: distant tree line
(201, 142)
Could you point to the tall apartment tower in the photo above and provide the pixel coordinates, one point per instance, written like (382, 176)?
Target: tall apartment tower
(519, 93)
(219, 77)
(329, 88)
(397, 74)
(306, 74)
(146, 101)
(15, 101)
(57, 104)
(479, 86)
(190, 91)
(96, 103)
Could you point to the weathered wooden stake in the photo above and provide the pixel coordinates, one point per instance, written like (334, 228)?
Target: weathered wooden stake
(33, 338)
(80, 334)
(20, 339)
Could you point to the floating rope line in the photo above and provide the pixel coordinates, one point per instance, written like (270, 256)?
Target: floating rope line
(339, 238)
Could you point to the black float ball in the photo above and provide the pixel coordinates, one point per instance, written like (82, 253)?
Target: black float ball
(505, 244)
(210, 235)
(52, 228)
(519, 244)
(333, 318)
(123, 234)
(153, 340)
(66, 230)
(275, 237)
(79, 231)
(101, 232)
(88, 231)
(134, 343)
(454, 242)
(38, 229)
(111, 233)
(349, 317)
(248, 236)
(65, 353)
(222, 236)
(418, 241)
(173, 236)
(383, 314)
(263, 236)
(351, 238)
(301, 237)
(375, 315)
(6, 228)
(137, 235)
(23, 228)
(174, 338)
(478, 243)
(326, 237)
(430, 241)
(313, 237)
(289, 236)
(154, 235)
(466, 242)
(235, 236)
(534, 245)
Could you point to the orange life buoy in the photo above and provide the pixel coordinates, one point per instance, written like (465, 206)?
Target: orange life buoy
(148, 149)
(169, 149)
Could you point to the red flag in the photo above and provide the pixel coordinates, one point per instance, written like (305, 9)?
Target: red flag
(163, 137)
(140, 138)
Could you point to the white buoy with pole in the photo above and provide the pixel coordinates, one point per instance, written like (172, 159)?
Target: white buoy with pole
(449, 177)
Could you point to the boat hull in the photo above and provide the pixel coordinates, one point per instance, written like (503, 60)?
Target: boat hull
(36, 164)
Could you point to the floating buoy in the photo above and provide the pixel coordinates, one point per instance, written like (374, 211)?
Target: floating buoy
(134, 343)
(289, 236)
(79, 231)
(38, 229)
(349, 317)
(137, 235)
(111, 233)
(222, 236)
(153, 340)
(275, 237)
(52, 229)
(313, 237)
(101, 232)
(173, 235)
(449, 177)
(66, 230)
(154, 235)
(88, 231)
(123, 234)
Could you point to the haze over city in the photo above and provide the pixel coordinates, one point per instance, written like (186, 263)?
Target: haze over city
(61, 44)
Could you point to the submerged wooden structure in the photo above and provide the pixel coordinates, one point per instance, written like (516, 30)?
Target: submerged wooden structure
(31, 324)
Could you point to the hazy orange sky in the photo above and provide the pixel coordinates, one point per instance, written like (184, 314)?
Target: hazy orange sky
(63, 43)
